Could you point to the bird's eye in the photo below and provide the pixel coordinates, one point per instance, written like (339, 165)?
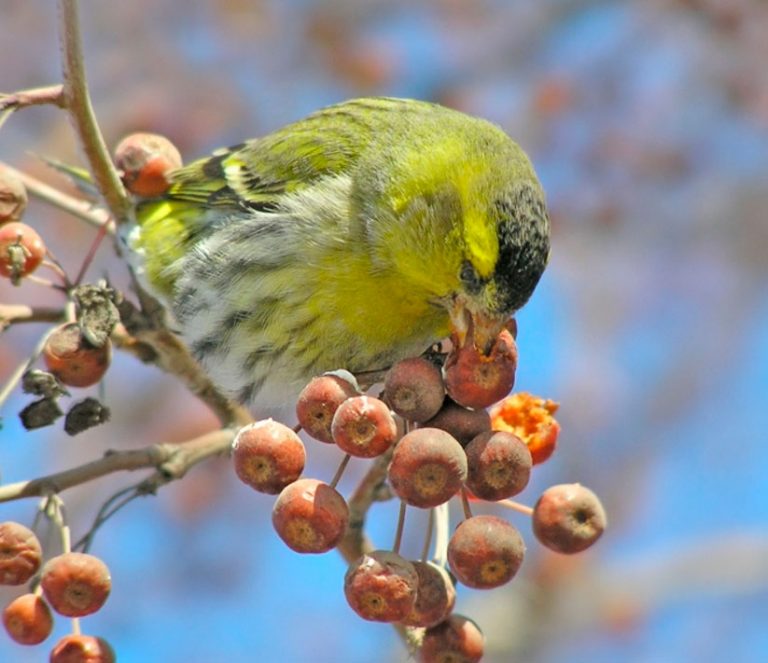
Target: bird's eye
(470, 278)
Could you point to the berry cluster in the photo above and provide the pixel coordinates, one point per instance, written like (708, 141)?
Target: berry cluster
(431, 428)
(73, 584)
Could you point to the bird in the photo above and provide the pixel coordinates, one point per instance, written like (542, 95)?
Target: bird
(350, 239)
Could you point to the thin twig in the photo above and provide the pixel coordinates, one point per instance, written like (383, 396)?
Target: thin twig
(78, 104)
(82, 209)
(14, 314)
(52, 94)
(22, 368)
(120, 499)
(97, 240)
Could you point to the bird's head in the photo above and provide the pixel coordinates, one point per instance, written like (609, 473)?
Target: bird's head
(454, 208)
(505, 250)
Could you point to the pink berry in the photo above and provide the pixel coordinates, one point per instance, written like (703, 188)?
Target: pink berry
(310, 516)
(75, 584)
(428, 467)
(485, 552)
(499, 465)
(455, 640)
(381, 586)
(363, 426)
(268, 456)
(414, 389)
(20, 553)
(568, 518)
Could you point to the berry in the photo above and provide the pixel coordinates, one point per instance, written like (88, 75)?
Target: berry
(428, 467)
(435, 596)
(82, 649)
(145, 162)
(72, 359)
(381, 586)
(21, 250)
(485, 552)
(318, 402)
(363, 426)
(20, 553)
(462, 423)
(28, 619)
(268, 456)
(499, 465)
(568, 518)
(476, 380)
(75, 584)
(414, 389)
(310, 516)
(531, 419)
(13, 196)
(455, 640)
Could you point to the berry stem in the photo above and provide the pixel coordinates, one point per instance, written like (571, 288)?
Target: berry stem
(400, 527)
(465, 503)
(428, 535)
(442, 527)
(55, 266)
(38, 280)
(340, 471)
(516, 506)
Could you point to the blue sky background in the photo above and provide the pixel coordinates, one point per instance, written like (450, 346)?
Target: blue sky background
(648, 124)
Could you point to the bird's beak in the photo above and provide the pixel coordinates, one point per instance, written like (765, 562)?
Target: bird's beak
(473, 326)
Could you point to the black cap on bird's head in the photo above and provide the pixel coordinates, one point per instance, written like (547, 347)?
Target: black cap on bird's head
(484, 304)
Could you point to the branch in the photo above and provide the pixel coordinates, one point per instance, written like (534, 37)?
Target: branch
(78, 104)
(11, 314)
(171, 460)
(355, 543)
(82, 209)
(53, 95)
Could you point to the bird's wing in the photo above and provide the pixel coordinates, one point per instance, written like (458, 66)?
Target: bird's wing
(256, 173)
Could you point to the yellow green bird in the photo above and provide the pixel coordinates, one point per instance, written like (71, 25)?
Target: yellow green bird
(355, 237)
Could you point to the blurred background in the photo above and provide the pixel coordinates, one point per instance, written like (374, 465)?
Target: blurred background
(648, 124)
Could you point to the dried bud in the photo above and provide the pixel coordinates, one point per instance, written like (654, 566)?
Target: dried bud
(84, 415)
(42, 383)
(40, 413)
(97, 313)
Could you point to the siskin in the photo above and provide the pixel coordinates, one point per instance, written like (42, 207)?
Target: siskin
(353, 238)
